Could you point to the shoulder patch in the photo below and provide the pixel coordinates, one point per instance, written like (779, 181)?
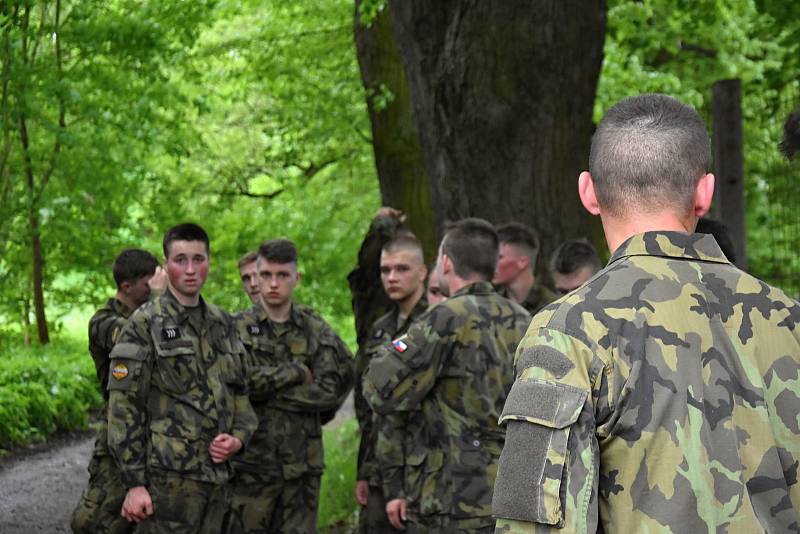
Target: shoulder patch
(119, 371)
(168, 334)
(400, 345)
(254, 330)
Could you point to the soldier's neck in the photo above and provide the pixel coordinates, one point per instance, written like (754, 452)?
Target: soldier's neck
(620, 229)
(279, 314)
(521, 286)
(406, 306)
(190, 301)
(123, 298)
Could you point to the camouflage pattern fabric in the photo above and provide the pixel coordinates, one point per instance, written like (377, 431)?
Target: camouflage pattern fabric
(455, 364)
(391, 430)
(286, 449)
(269, 504)
(662, 396)
(176, 382)
(184, 506)
(99, 507)
(538, 297)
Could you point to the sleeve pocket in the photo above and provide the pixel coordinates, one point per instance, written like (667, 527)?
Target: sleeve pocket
(532, 473)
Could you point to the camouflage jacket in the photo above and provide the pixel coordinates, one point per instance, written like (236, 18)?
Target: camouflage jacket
(538, 297)
(383, 331)
(662, 396)
(175, 384)
(288, 442)
(455, 363)
(105, 327)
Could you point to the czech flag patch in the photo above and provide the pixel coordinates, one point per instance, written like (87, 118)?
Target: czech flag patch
(399, 345)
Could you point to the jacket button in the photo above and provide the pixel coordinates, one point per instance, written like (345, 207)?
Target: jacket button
(476, 443)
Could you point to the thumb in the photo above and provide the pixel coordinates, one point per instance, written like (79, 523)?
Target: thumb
(403, 510)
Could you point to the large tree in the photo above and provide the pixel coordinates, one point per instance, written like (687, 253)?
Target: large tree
(501, 95)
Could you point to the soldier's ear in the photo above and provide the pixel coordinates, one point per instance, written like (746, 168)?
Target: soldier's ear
(125, 287)
(703, 194)
(587, 193)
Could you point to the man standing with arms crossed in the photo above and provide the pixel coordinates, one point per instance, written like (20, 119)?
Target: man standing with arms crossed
(299, 373)
(98, 509)
(403, 272)
(663, 394)
(455, 364)
(178, 405)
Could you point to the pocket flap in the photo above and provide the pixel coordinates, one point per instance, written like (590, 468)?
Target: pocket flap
(129, 351)
(170, 351)
(550, 404)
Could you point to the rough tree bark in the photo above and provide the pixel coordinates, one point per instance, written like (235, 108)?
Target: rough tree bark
(398, 155)
(502, 96)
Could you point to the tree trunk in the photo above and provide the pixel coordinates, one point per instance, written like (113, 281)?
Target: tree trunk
(398, 154)
(502, 96)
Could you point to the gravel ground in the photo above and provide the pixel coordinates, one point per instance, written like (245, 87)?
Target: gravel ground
(40, 485)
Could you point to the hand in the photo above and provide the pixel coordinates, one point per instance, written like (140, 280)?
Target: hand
(138, 505)
(309, 376)
(158, 282)
(223, 447)
(386, 211)
(396, 512)
(362, 490)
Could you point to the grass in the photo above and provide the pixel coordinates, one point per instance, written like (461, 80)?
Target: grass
(337, 506)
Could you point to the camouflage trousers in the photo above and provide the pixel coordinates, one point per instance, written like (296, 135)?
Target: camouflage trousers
(372, 518)
(183, 506)
(98, 510)
(270, 504)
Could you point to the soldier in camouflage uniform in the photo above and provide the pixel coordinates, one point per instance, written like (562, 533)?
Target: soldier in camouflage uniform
(98, 509)
(455, 364)
(178, 404)
(661, 396)
(514, 275)
(573, 262)
(299, 373)
(403, 272)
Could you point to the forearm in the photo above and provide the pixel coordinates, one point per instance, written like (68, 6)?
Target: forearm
(266, 380)
(127, 437)
(245, 421)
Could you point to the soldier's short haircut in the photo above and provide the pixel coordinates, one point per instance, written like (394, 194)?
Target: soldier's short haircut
(405, 242)
(248, 258)
(648, 153)
(572, 255)
(132, 264)
(185, 232)
(472, 246)
(721, 235)
(278, 251)
(521, 236)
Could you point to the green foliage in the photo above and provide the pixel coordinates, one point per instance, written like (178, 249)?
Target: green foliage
(45, 389)
(337, 501)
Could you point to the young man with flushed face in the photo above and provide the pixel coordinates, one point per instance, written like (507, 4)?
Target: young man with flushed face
(299, 372)
(383, 446)
(178, 406)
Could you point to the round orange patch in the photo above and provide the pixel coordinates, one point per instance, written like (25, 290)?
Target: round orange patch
(119, 371)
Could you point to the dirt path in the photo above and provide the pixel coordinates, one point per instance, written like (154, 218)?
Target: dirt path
(38, 491)
(40, 487)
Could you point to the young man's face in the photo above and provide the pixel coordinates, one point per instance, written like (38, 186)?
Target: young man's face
(277, 281)
(187, 267)
(249, 276)
(509, 264)
(402, 274)
(567, 282)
